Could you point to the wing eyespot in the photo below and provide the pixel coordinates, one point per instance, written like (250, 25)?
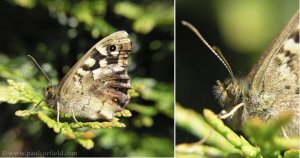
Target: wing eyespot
(112, 48)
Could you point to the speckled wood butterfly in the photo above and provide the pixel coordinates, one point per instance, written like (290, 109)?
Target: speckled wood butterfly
(97, 85)
(272, 86)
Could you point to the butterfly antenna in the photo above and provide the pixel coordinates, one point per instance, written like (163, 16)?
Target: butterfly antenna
(40, 69)
(217, 53)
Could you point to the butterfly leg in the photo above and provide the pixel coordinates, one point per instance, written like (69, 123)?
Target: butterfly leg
(205, 138)
(73, 115)
(75, 118)
(57, 108)
(232, 111)
(284, 133)
(37, 105)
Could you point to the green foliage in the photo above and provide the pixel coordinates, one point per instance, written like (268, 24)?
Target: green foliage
(146, 17)
(22, 92)
(131, 144)
(237, 141)
(200, 128)
(161, 93)
(263, 137)
(198, 150)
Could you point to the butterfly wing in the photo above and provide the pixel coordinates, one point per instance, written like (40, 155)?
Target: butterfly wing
(269, 60)
(275, 78)
(97, 86)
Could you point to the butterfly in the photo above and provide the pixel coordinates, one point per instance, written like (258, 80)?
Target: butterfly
(271, 87)
(97, 86)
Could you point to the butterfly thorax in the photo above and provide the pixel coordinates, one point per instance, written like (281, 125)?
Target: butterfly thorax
(51, 96)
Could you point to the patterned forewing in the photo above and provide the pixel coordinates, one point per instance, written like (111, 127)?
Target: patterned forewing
(276, 57)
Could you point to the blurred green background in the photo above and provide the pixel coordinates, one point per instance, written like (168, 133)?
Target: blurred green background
(242, 30)
(57, 33)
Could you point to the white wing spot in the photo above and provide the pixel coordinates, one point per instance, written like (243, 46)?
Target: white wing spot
(103, 62)
(118, 69)
(82, 72)
(102, 50)
(291, 45)
(90, 62)
(96, 73)
(114, 53)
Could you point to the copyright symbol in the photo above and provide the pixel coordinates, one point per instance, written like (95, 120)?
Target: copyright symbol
(4, 153)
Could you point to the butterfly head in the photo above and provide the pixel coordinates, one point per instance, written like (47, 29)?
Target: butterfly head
(230, 92)
(51, 96)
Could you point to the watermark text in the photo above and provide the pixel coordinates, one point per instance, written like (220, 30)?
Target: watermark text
(38, 153)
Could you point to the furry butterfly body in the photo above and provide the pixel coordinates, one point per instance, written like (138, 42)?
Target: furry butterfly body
(97, 85)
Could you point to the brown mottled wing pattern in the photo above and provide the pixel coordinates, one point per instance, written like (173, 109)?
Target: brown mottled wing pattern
(97, 86)
(275, 78)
